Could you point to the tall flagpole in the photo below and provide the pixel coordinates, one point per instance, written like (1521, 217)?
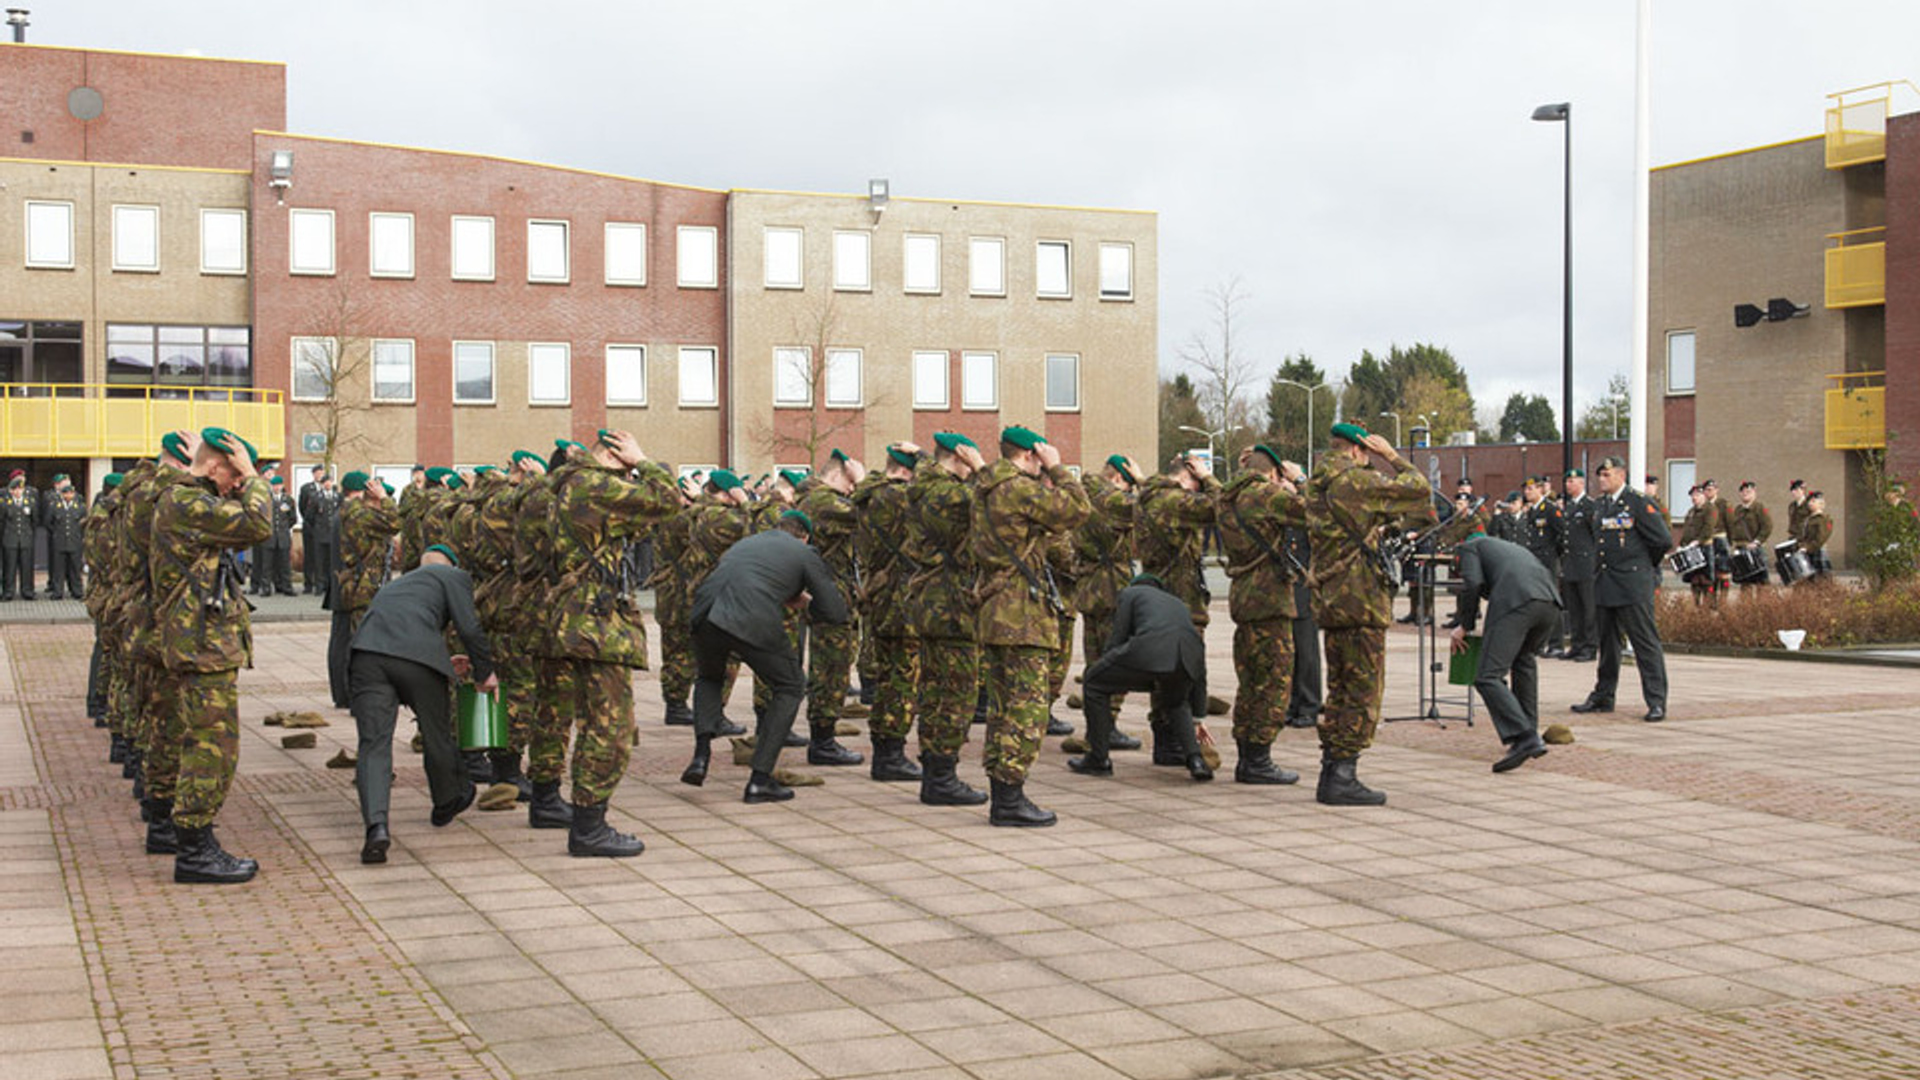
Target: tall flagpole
(1637, 410)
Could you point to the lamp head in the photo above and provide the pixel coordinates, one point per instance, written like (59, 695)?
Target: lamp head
(1554, 113)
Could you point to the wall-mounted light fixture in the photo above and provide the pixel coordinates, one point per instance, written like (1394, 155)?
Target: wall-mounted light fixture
(877, 196)
(1778, 309)
(280, 174)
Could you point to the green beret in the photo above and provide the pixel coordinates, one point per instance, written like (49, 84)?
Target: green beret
(1024, 438)
(482, 470)
(174, 445)
(837, 454)
(1272, 454)
(794, 478)
(604, 436)
(354, 481)
(1581, 473)
(387, 487)
(952, 440)
(903, 458)
(1119, 462)
(453, 481)
(219, 435)
(59, 476)
(1353, 433)
(724, 479)
(438, 474)
(277, 480)
(796, 515)
(447, 551)
(568, 444)
(112, 479)
(1147, 579)
(520, 456)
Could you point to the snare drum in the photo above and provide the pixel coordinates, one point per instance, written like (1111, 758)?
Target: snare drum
(1780, 553)
(1796, 567)
(1748, 565)
(1688, 561)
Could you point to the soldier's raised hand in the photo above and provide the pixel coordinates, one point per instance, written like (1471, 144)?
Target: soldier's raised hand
(1048, 454)
(1199, 467)
(627, 448)
(972, 456)
(1379, 445)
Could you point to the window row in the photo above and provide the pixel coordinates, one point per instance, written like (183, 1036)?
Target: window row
(980, 381)
(784, 262)
(143, 354)
(312, 250)
(136, 238)
(319, 372)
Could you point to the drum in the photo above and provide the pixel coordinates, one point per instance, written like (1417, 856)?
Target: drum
(1688, 561)
(1780, 553)
(1796, 567)
(1749, 565)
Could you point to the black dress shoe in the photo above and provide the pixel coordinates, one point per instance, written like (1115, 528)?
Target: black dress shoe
(794, 739)
(1656, 713)
(1091, 766)
(1120, 740)
(444, 815)
(766, 789)
(1592, 706)
(1584, 656)
(1057, 726)
(1198, 768)
(375, 849)
(1523, 750)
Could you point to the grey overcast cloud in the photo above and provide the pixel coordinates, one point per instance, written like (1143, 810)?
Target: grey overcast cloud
(1366, 168)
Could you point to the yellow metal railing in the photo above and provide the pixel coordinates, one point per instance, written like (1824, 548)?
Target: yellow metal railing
(1857, 123)
(81, 420)
(1857, 411)
(1857, 268)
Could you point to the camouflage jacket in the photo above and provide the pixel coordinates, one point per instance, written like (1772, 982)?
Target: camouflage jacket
(200, 610)
(1254, 514)
(1015, 517)
(98, 551)
(1170, 536)
(366, 550)
(413, 525)
(883, 508)
(136, 604)
(1103, 547)
(593, 613)
(486, 552)
(714, 524)
(533, 562)
(939, 517)
(672, 540)
(834, 521)
(1347, 504)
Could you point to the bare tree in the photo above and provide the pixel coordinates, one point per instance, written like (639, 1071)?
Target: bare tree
(340, 372)
(807, 363)
(1226, 377)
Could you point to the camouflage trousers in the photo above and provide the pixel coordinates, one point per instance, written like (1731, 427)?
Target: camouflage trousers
(600, 696)
(209, 724)
(550, 719)
(896, 661)
(1016, 677)
(161, 706)
(868, 664)
(946, 693)
(828, 666)
(1263, 663)
(520, 695)
(1061, 660)
(123, 712)
(1356, 679)
(676, 649)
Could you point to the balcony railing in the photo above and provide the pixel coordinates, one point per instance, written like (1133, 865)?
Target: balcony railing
(1857, 411)
(81, 420)
(1857, 123)
(1857, 268)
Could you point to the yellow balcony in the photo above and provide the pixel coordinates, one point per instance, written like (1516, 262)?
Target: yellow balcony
(1857, 268)
(1857, 123)
(1857, 412)
(80, 420)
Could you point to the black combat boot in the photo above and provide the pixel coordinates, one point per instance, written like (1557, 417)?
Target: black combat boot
(695, 774)
(939, 786)
(161, 837)
(890, 760)
(130, 765)
(824, 749)
(1166, 747)
(679, 714)
(117, 749)
(1339, 787)
(1256, 766)
(1057, 726)
(200, 860)
(1120, 740)
(980, 707)
(506, 770)
(591, 836)
(140, 784)
(547, 810)
(1011, 807)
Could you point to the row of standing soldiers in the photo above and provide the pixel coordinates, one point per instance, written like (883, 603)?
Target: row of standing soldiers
(61, 512)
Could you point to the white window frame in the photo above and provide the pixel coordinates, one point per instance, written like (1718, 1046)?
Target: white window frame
(1693, 362)
(1125, 249)
(535, 349)
(852, 260)
(977, 246)
(713, 369)
(906, 264)
(332, 347)
(311, 269)
(135, 211)
(373, 372)
(216, 214)
(622, 276)
(565, 275)
(493, 372)
(1677, 501)
(453, 247)
(626, 349)
(47, 263)
(834, 358)
(1040, 249)
(991, 404)
(376, 220)
(799, 237)
(709, 238)
(397, 475)
(784, 359)
(945, 367)
(1046, 382)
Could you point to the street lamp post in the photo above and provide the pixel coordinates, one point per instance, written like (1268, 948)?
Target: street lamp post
(1562, 113)
(1210, 436)
(1311, 390)
(1614, 404)
(1396, 427)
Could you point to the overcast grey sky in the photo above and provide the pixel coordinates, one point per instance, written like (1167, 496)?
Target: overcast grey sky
(1367, 167)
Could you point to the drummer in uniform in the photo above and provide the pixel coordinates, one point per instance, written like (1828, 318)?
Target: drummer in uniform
(1697, 533)
(1748, 526)
(1815, 531)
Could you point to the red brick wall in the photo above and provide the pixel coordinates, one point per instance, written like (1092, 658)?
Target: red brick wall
(982, 426)
(1678, 426)
(1903, 295)
(1498, 468)
(160, 110)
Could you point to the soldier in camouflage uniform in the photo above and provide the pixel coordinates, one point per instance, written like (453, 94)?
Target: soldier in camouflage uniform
(720, 518)
(1348, 503)
(487, 557)
(672, 592)
(881, 536)
(939, 599)
(608, 501)
(1103, 556)
(487, 537)
(1021, 504)
(368, 524)
(419, 516)
(1255, 512)
(95, 533)
(151, 691)
(205, 634)
(833, 646)
(1170, 522)
(549, 719)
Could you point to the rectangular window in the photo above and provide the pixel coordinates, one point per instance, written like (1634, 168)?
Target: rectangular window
(1679, 368)
(223, 241)
(472, 248)
(547, 256)
(179, 355)
(853, 261)
(390, 245)
(313, 368)
(792, 376)
(930, 380)
(626, 253)
(699, 375)
(1063, 382)
(229, 356)
(183, 356)
(393, 371)
(979, 380)
(921, 259)
(1053, 269)
(549, 364)
(843, 378)
(473, 372)
(310, 242)
(1681, 475)
(785, 257)
(1116, 271)
(50, 235)
(699, 257)
(987, 266)
(627, 375)
(136, 238)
